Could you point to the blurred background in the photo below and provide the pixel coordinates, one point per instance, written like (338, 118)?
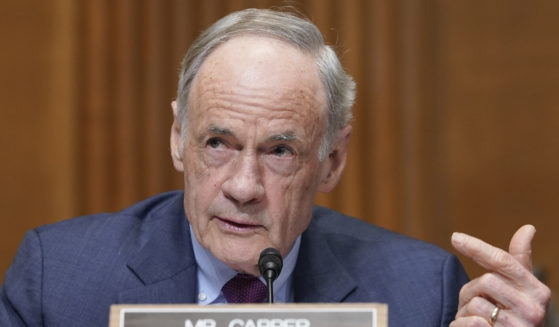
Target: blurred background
(456, 123)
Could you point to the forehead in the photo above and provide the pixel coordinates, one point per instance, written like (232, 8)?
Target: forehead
(266, 75)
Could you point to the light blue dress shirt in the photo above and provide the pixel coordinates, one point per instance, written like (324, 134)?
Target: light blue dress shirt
(213, 274)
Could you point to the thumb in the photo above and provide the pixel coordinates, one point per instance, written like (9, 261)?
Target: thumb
(520, 246)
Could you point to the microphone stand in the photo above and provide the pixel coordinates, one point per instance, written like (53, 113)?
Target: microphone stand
(270, 285)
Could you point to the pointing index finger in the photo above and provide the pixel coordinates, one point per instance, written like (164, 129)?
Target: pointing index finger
(488, 256)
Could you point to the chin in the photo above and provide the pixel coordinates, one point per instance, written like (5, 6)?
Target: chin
(245, 261)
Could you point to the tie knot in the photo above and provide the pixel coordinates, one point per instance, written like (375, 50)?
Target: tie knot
(244, 288)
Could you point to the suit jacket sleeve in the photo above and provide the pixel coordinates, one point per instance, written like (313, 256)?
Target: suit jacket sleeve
(21, 291)
(453, 278)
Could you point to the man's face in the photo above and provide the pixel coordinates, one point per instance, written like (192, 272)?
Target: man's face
(256, 119)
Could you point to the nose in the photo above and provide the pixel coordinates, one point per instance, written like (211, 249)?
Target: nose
(244, 185)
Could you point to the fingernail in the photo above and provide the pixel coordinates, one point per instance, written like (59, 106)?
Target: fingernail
(457, 238)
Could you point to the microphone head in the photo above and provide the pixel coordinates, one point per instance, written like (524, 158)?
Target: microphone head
(270, 263)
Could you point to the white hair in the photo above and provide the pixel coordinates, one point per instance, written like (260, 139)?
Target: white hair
(299, 32)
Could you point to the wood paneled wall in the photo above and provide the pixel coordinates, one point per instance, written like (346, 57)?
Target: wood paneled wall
(456, 122)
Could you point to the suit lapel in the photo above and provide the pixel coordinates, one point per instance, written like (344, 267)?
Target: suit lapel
(166, 267)
(319, 275)
(165, 263)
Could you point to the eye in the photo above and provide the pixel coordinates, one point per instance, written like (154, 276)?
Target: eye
(215, 142)
(282, 151)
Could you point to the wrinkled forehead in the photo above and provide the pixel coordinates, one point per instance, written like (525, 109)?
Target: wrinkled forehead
(258, 65)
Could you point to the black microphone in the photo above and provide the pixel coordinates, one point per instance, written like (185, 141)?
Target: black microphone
(270, 264)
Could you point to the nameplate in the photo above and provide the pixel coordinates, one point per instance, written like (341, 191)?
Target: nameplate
(250, 315)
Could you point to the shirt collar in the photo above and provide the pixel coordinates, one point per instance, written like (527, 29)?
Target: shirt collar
(213, 274)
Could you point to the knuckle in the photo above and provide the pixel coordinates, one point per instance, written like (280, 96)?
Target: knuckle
(476, 322)
(531, 312)
(467, 322)
(508, 264)
(500, 257)
(509, 321)
(535, 314)
(488, 280)
(469, 319)
(476, 305)
(463, 291)
(545, 294)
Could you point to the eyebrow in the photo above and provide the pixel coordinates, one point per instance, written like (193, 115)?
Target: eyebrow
(285, 136)
(213, 129)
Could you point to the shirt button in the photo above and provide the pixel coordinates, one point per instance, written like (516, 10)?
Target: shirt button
(202, 297)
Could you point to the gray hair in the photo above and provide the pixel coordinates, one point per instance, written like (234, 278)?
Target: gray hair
(299, 32)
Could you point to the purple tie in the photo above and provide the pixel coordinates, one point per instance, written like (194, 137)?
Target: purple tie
(244, 288)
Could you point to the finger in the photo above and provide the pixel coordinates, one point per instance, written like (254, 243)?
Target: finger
(488, 256)
(521, 245)
(474, 321)
(504, 319)
(476, 306)
(528, 305)
(483, 309)
(494, 288)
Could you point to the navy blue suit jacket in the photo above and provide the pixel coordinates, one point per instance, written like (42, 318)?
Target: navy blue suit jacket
(69, 273)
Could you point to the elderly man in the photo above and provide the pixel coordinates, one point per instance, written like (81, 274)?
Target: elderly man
(261, 125)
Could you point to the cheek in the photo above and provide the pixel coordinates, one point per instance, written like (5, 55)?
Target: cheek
(292, 200)
(302, 186)
(199, 186)
(193, 174)
(196, 168)
(296, 191)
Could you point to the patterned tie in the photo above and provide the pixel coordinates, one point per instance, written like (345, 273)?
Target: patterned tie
(244, 288)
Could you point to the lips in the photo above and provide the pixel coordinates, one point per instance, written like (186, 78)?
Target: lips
(235, 225)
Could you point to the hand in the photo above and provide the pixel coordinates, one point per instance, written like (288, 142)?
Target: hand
(508, 284)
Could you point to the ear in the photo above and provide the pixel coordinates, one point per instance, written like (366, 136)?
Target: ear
(177, 143)
(335, 162)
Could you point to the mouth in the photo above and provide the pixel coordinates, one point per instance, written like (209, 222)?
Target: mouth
(235, 226)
